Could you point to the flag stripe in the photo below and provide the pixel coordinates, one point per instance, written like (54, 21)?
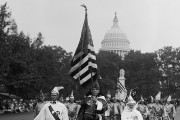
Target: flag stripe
(121, 87)
(83, 64)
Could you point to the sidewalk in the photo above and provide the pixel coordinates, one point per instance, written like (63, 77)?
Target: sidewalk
(178, 114)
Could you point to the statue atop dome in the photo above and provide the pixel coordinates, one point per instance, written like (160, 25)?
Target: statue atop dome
(115, 21)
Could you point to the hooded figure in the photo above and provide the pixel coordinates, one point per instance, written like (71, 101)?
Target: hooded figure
(158, 108)
(93, 105)
(130, 112)
(73, 108)
(53, 110)
(169, 110)
(143, 109)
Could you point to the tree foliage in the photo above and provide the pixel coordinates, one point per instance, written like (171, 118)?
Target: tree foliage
(28, 66)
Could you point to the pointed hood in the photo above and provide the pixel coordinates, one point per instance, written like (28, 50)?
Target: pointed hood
(108, 94)
(142, 99)
(158, 96)
(41, 94)
(169, 98)
(130, 100)
(151, 98)
(67, 98)
(71, 96)
(56, 90)
(96, 84)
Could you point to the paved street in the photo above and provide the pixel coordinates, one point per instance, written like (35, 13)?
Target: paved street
(178, 114)
(29, 116)
(18, 116)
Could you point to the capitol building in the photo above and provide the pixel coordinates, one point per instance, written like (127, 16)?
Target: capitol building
(115, 40)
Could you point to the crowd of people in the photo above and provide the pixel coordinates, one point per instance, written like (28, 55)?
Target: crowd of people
(95, 106)
(9, 105)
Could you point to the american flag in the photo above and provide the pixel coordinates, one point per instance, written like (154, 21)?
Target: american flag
(120, 87)
(83, 64)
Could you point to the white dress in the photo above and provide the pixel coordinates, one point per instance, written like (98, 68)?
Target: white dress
(131, 115)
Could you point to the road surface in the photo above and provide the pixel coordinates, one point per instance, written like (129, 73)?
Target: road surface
(29, 116)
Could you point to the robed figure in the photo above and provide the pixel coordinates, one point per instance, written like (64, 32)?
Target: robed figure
(53, 110)
(94, 105)
(169, 110)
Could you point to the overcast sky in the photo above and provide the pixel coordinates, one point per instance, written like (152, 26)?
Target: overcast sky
(148, 24)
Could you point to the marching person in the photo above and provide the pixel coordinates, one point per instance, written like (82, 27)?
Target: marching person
(66, 101)
(73, 108)
(143, 109)
(151, 110)
(108, 113)
(169, 110)
(130, 112)
(53, 110)
(94, 104)
(158, 108)
(116, 108)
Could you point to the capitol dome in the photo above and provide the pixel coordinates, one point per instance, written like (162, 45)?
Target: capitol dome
(115, 40)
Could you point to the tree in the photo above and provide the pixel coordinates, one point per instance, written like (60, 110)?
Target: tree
(168, 61)
(109, 65)
(142, 73)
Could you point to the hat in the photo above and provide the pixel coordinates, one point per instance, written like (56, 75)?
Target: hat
(169, 98)
(56, 90)
(131, 100)
(108, 94)
(67, 98)
(71, 96)
(41, 94)
(142, 99)
(158, 96)
(96, 84)
(151, 97)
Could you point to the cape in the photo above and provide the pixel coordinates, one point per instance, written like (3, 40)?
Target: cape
(57, 111)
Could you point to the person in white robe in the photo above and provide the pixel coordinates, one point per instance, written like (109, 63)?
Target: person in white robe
(130, 112)
(53, 110)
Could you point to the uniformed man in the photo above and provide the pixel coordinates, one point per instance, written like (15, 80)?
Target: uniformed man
(158, 108)
(73, 108)
(142, 108)
(130, 112)
(66, 101)
(53, 110)
(169, 110)
(150, 106)
(108, 113)
(94, 104)
(116, 108)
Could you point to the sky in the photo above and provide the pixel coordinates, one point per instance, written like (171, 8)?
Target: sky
(149, 24)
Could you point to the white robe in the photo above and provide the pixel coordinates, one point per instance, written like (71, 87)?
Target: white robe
(59, 108)
(131, 115)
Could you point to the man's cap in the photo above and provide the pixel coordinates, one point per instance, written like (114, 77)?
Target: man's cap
(142, 99)
(158, 96)
(67, 98)
(56, 90)
(96, 84)
(169, 98)
(71, 96)
(108, 94)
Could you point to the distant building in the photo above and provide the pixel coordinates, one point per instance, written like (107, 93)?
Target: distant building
(115, 40)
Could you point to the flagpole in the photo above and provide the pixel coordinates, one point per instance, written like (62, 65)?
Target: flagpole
(78, 83)
(88, 63)
(82, 45)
